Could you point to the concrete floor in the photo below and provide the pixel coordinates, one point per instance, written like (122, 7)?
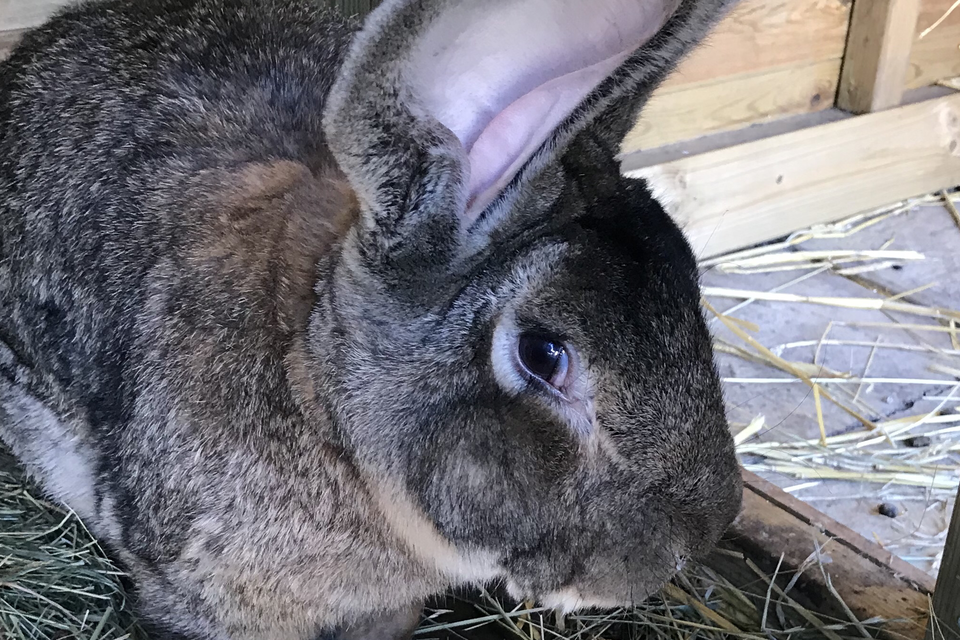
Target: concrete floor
(789, 409)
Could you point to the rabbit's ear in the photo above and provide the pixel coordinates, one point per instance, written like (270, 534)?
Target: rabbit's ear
(442, 104)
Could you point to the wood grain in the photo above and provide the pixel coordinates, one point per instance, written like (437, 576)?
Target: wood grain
(758, 191)
(875, 65)
(946, 599)
(763, 35)
(936, 56)
(732, 103)
(776, 528)
(23, 14)
(767, 59)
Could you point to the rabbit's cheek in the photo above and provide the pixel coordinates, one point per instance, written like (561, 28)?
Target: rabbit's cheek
(421, 537)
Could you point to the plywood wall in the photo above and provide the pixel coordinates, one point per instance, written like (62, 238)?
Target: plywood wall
(768, 59)
(937, 55)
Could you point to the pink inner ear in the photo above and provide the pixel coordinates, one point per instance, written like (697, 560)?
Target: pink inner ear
(503, 74)
(515, 134)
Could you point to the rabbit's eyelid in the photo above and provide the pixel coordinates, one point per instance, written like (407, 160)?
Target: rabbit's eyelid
(573, 404)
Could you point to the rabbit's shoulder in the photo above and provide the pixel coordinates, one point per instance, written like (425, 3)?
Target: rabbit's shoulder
(163, 151)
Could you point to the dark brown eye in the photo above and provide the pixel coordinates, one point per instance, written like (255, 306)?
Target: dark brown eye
(544, 358)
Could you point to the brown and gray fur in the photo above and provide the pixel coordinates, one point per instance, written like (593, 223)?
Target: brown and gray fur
(247, 334)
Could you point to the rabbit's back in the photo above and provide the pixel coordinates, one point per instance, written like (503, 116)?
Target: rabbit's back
(165, 197)
(117, 121)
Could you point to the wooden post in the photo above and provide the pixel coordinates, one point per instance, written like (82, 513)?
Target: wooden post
(877, 57)
(946, 597)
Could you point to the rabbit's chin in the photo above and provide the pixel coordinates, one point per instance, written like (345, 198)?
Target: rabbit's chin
(569, 600)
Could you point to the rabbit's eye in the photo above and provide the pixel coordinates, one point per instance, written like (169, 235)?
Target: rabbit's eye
(544, 358)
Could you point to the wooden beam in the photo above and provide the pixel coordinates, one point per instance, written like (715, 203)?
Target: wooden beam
(877, 58)
(758, 191)
(946, 599)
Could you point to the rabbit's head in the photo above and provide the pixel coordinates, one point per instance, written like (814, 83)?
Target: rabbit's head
(514, 329)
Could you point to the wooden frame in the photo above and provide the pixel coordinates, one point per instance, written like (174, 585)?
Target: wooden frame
(757, 191)
(732, 189)
(729, 191)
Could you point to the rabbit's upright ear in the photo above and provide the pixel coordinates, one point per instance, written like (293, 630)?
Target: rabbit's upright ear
(444, 107)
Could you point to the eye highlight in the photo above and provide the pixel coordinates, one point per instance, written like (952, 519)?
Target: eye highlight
(545, 358)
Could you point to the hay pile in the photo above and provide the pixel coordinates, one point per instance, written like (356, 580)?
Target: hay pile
(55, 581)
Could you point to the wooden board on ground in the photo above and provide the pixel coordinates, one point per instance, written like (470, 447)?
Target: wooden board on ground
(841, 573)
(758, 191)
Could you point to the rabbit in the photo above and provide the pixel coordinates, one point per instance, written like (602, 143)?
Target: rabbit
(310, 320)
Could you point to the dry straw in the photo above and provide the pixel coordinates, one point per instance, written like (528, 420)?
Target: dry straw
(55, 581)
(877, 454)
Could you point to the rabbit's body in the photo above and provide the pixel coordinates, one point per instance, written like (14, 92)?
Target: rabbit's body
(272, 396)
(165, 274)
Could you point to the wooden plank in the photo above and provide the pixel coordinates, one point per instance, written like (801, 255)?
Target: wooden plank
(754, 192)
(730, 104)
(23, 14)
(878, 54)
(937, 55)
(774, 528)
(764, 35)
(946, 599)
(767, 59)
